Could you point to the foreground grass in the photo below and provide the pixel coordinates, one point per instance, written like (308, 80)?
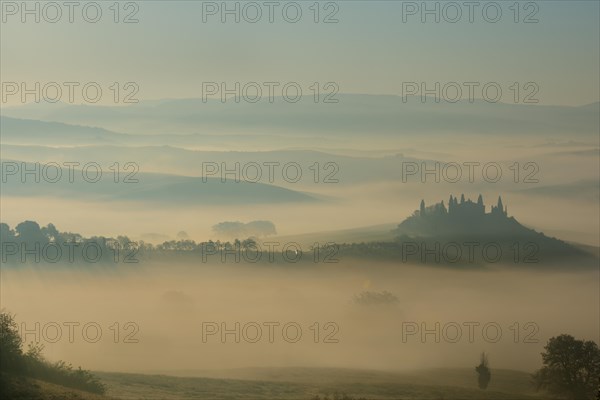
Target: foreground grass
(25, 388)
(305, 384)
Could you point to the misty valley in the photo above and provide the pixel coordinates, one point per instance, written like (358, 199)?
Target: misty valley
(391, 307)
(290, 200)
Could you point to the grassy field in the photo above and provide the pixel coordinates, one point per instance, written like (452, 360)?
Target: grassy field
(288, 384)
(306, 383)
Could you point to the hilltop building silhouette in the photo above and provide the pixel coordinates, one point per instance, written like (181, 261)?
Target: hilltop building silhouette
(466, 208)
(466, 221)
(461, 217)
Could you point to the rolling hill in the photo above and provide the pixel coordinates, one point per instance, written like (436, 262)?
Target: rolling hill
(353, 115)
(151, 188)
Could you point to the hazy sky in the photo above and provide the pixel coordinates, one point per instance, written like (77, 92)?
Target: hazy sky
(171, 51)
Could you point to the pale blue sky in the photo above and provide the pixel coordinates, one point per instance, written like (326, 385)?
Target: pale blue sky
(171, 51)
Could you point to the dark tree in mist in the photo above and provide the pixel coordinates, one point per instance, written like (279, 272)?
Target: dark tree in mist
(483, 371)
(571, 368)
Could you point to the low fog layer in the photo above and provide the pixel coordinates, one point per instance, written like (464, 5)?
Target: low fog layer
(170, 302)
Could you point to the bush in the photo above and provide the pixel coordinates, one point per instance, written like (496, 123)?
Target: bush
(33, 364)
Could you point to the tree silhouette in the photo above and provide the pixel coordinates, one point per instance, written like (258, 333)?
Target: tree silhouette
(571, 368)
(6, 234)
(29, 232)
(10, 344)
(483, 371)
